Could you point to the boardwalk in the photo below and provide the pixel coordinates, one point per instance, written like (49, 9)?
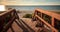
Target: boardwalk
(11, 21)
(26, 25)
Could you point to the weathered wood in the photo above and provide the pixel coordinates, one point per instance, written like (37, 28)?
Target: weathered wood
(7, 18)
(50, 14)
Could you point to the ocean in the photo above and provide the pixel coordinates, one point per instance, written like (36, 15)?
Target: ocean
(31, 8)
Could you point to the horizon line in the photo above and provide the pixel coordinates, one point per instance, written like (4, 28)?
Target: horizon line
(31, 4)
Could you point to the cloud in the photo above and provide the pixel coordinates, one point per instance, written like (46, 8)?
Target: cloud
(19, 2)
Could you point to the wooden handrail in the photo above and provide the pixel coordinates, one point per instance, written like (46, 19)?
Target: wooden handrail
(47, 14)
(7, 18)
(55, 15)
(6, 12)
(46, 23)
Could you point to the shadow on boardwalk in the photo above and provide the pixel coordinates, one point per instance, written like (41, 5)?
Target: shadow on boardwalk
(24, 26)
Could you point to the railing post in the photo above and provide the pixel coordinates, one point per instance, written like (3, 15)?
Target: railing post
(34, 18)
(52, 21)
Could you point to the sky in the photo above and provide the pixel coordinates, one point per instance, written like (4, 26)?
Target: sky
(30, 2)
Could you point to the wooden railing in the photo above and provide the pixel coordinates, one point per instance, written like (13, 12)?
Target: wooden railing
(48, 18)
(7, 18)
